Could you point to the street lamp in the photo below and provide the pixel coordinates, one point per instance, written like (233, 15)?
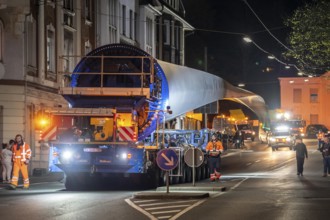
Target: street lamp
(247, 39)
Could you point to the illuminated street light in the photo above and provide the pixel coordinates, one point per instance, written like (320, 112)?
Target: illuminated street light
(287, 67)
(300, 73)
(271, 57)
(241, 85)
(247, 39)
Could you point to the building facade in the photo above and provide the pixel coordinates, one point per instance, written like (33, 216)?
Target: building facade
(307, 98)
(42, 39)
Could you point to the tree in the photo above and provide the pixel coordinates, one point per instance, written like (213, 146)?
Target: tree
(309, 38)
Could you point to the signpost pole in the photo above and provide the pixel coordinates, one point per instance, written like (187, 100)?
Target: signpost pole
(167, 182)
(193, 167)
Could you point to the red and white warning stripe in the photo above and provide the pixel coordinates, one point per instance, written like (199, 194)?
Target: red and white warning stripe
(49, 134)
(127, 134)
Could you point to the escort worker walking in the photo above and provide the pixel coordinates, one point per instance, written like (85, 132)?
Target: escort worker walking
(21, 158)
(213, 149)
(301, 154)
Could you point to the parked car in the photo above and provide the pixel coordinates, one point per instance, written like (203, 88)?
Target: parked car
(313, 129)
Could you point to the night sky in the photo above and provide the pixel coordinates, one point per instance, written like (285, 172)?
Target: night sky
(220, 24)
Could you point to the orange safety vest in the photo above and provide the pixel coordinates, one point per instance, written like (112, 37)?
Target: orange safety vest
(214, 148)
(23, 154)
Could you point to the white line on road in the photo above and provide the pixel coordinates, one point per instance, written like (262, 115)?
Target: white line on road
(167, 207)
(162, 203)
(129, 202)
(170, 211)
(187, 209)
(142, 201)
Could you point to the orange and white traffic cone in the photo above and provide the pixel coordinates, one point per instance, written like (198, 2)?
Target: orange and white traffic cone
(212, 177)
(217, 175)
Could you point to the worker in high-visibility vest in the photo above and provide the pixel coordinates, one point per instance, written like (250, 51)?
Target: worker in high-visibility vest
(214, 149)
(320, 137)
(21, 159)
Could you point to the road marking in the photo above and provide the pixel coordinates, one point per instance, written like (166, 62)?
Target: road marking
(141, 201)
(187, 209)
(163, 210)
(129, 202)
(162, 203)
(170, 211)
(166, 207)
(239, 183)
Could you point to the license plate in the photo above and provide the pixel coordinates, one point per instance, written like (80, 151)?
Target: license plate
(93, 150)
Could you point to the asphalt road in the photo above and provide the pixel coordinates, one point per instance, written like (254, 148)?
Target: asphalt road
(259, 184)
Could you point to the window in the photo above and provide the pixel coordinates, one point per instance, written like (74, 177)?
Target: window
(68, 4)
(149, 35)
(112, 21)
(131, 23)
(88, 10)
(31, 33)
(166, 32)
(50, 49)
(314, 119)
(124, 20)
(68, 51)
(314, 95)
(1, 41)
(296, 95)
(135, 25)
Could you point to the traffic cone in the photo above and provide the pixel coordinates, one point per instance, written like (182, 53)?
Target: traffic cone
(217, 175)
(212, 177)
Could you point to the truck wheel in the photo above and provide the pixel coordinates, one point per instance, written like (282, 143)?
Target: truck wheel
(188, 171)
(198, 173)
(183, 177)
(70, 183)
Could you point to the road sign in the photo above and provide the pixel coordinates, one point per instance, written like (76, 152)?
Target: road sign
(167, 159)
(194, 157)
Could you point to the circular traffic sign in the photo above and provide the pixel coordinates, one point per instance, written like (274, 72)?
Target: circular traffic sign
(194, 157)
(167, 159)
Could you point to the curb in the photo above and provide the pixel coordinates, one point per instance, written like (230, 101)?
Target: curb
(170, 195)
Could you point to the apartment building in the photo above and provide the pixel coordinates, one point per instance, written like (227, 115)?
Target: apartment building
(42, 39)
(307, 98)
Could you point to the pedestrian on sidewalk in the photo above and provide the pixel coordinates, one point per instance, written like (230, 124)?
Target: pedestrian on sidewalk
(214, 149)
(6, 160)
(325, 150)
(301, 154)
(21, 158)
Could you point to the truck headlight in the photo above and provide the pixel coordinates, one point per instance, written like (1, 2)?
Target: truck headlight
(125, 156)
(67, 154)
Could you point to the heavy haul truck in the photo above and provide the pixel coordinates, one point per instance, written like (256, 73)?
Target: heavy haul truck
(119, 96)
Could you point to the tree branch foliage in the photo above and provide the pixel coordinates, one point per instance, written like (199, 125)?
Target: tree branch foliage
(310, 37)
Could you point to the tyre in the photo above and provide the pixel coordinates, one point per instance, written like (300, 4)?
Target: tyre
(183, 177)
(188, 174)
